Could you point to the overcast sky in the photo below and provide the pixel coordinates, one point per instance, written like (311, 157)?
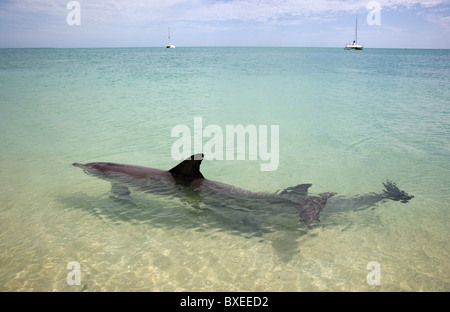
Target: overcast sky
(145, 23)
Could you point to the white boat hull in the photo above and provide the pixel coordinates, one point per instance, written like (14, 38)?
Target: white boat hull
(353, 47)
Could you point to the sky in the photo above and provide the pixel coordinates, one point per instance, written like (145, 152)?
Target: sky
(285, 23)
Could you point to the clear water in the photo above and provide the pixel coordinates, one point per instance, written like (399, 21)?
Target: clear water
(348, 121)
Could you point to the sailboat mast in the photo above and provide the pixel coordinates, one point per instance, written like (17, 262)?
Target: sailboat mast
(169, 45)
(354, 45)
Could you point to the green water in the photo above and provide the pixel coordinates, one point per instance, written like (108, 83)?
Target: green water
(348, 120)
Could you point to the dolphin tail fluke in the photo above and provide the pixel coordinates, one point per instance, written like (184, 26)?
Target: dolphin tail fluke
(392, 191)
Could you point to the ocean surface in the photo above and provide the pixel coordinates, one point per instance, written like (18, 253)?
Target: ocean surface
(348, 121)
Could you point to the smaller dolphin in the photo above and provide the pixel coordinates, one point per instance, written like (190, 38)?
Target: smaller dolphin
(186, 179)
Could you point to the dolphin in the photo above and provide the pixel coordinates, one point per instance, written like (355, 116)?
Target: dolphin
(189, 181)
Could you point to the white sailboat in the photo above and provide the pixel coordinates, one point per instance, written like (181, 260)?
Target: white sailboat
(169, 45)
(354, 45)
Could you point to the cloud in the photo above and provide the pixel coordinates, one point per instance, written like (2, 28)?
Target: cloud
(258, 11)
(273, 10)
(122, 19)
(442, 19)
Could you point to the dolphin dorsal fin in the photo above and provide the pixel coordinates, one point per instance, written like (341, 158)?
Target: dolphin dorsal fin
(188, 168)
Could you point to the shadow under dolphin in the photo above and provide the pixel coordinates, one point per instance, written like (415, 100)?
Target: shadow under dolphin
(262, 210)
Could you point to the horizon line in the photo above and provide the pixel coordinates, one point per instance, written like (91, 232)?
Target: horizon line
(216, 46)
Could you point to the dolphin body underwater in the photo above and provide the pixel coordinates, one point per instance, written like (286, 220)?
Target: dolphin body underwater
(186, 178)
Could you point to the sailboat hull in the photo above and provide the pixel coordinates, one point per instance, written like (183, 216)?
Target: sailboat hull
(353, 47)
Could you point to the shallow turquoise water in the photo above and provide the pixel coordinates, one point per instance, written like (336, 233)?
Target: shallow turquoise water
(348, 120)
